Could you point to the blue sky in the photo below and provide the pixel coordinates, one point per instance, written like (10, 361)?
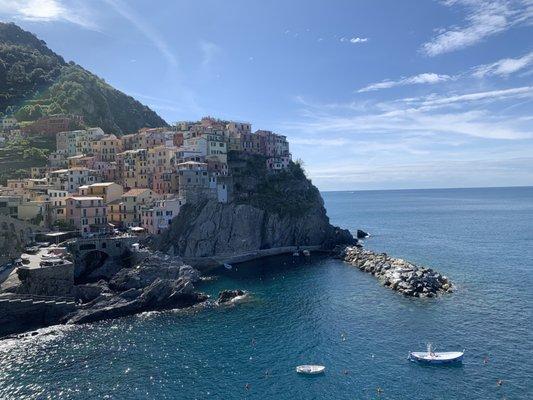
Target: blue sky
(371, 94)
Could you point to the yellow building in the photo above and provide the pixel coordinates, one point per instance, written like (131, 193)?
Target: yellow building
(107, 148)
(108, 191)
(133, 168)
(127, 211)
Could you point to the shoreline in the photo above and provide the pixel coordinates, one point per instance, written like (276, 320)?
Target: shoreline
(207, 264)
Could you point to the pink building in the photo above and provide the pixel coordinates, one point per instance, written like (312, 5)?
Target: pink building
(87, 214)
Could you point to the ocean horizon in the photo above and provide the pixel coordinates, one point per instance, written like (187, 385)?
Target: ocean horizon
(435, 188)
(323, 311)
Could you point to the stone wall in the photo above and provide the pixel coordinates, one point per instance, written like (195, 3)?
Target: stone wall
(21, 315)
(47, 281)
(14, 235)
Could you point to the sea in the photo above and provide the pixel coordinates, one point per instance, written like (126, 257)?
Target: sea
(323, 311)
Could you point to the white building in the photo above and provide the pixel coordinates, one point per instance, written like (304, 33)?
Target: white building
(158, 217)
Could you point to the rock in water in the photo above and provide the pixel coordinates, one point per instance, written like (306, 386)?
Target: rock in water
(227, 295)
(398, 274)
(362, 234)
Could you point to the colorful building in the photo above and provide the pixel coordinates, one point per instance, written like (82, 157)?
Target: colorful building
(87, 214)
(157, 218)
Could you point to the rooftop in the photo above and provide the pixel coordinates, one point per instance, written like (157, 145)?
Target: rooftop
(81, 198)
(135, 192)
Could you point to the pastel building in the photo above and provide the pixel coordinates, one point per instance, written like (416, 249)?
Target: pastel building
(58, 204)
(108, 191)
(193, 181)
(81, 161)
(133, 168)
(157, 218)
(87, 214)
(127, 211)
(106, 148)
(80, 176)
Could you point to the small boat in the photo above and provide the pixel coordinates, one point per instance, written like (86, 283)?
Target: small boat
(431, 357)
(306, 253)
(310, 369)
(228, 266)
(296, 254)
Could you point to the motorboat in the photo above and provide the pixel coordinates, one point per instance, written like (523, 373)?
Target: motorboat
(431, 357)
(296, 254)
(310, 369)
(228, 266)
(306, 253)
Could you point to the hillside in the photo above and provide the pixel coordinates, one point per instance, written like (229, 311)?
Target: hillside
(35, 81)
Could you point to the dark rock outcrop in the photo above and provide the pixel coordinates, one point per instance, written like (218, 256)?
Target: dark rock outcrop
(159, 282)
(213, 228)
(361, 234)
(398, 274)
(159, 295)
(228, 295)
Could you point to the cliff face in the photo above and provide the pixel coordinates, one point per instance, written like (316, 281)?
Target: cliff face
(269, 210)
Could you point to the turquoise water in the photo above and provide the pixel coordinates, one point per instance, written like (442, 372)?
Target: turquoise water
(481, 238)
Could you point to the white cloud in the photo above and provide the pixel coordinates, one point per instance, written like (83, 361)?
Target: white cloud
(426, 78)
(504, 67)
(354, 40)
(48, 11)
(457, 115)
(329, 142)
(433, 101)
(484, 18)
(210, 51)
(141, 25)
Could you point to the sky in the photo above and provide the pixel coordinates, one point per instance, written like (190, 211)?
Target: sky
(371, 94)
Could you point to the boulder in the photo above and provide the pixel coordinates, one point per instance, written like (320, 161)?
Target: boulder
(227, 295)
(361, 234)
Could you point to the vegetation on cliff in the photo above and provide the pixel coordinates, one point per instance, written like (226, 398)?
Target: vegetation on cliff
(287, 192)
(35, 82)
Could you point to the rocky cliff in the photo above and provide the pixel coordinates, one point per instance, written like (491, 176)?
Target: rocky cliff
(268, 210)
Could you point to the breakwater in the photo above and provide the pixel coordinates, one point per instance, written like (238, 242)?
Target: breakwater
(400, 275)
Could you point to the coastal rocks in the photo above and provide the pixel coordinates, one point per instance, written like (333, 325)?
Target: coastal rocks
(159, 282)
(159, 295)
(157, 265)
(227, 296)
(398, 274)
(361, 234)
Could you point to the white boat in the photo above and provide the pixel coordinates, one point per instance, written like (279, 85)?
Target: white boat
(306, 253)
(431, 357)
(310, 369)
(228, 266)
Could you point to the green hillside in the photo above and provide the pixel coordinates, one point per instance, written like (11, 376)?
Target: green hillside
(34, 82)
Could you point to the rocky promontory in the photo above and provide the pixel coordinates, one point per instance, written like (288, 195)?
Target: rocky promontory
(267, 211)
(398, 274)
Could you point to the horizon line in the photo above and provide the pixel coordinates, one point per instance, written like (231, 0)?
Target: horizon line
(436, 188)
